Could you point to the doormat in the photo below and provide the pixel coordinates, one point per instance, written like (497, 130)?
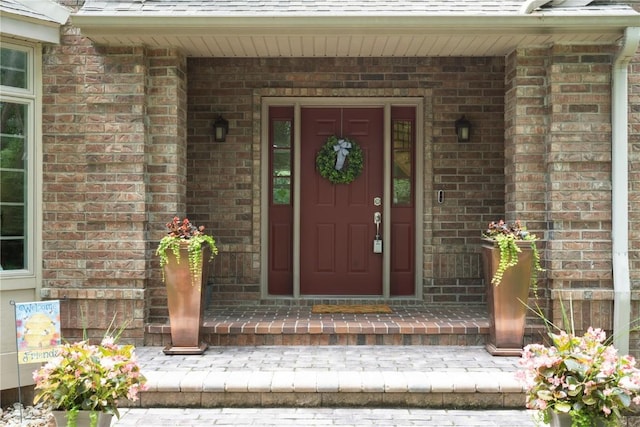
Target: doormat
(351, 309)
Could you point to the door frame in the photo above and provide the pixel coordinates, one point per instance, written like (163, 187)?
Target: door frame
(342, 102)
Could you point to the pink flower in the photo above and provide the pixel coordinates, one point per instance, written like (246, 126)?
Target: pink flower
(541, 404)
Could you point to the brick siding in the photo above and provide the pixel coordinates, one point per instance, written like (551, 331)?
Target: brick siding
(127, 144)
(225, 191)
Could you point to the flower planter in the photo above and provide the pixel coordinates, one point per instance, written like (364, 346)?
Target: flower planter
(506, 301)
(82, 420)
(186, 301)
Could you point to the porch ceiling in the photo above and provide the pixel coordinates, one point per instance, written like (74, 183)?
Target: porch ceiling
(259, 40)
(426, 28)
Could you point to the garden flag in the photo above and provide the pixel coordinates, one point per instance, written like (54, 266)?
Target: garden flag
(37, 330)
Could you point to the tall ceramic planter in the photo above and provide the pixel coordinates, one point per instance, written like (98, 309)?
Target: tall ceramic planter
(186, 301)
(557, 419)
(506, 301)
(83, 419)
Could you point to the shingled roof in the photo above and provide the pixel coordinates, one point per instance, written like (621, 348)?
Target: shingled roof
(339, 7)
(259, 28)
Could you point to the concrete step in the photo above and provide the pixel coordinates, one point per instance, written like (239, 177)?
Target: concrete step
(331, 376)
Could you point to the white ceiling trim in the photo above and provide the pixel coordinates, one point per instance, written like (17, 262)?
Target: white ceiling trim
(29, 29)
(351, 36)
(33, 20)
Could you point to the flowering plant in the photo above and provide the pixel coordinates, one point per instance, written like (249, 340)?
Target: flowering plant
(505, 235)
(90, 377)
(582, 376)
(184, 232)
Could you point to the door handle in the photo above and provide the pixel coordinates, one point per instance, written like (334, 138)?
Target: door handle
(377, 242)
(377, 220)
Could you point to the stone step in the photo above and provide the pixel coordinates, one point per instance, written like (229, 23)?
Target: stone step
(331, 376)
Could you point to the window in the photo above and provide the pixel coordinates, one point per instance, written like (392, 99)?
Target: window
(281, 167)
(13, 68)
(17, 160)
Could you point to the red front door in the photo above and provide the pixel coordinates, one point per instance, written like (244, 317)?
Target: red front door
(336, 220)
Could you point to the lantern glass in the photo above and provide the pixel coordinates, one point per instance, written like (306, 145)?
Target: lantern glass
(463, 129)
(220, 129)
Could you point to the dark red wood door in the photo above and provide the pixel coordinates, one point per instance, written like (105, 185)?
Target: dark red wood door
(336, 220)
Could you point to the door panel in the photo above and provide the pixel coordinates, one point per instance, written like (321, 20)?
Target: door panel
(325, 239)
(336, 223)
(359, 248)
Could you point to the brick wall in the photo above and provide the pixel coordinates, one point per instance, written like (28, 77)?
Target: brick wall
(112, 175)
(117, 123)
(224, 182)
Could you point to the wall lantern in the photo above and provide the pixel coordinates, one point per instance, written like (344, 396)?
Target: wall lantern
(220, 129)
(463, 129)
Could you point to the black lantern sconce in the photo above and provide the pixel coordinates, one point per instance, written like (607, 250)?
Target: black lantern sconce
(220, 129)
(463, 129)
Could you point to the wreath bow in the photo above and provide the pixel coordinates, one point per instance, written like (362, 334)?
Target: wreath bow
(342, 148)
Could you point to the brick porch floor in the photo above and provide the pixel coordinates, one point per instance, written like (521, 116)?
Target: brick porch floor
(278, 325)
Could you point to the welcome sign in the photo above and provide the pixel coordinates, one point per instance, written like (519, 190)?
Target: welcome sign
(37, 330)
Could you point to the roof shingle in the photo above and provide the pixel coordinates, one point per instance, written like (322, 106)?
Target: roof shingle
(325, 7)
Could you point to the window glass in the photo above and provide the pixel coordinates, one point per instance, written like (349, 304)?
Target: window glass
(281, 162)
(402, 134)
(13, 68)
(13, 185)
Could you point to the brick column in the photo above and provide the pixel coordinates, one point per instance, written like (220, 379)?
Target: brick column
(634, 196)
(94, 205)
(166, 160)
(579, 168)
(526, 127)
(525, 133)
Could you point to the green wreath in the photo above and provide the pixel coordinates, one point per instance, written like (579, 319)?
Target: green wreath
(329, 165)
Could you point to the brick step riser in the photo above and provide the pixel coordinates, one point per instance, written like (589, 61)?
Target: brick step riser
(164, 339)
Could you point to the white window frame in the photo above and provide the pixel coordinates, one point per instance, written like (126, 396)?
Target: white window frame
(29, 277)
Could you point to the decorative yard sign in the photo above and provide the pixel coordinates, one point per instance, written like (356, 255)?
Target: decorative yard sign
(37, 330)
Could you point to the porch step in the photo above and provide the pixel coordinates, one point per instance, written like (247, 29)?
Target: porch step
(268, 325)
(331, 376)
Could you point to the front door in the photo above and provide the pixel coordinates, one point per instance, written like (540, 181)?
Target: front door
(337, 220)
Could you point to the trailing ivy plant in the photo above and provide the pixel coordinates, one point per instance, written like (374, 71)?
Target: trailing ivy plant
(505, 235)
(181, 232)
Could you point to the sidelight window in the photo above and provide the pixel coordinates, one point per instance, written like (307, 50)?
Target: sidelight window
(402, 146)
(281, 162)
